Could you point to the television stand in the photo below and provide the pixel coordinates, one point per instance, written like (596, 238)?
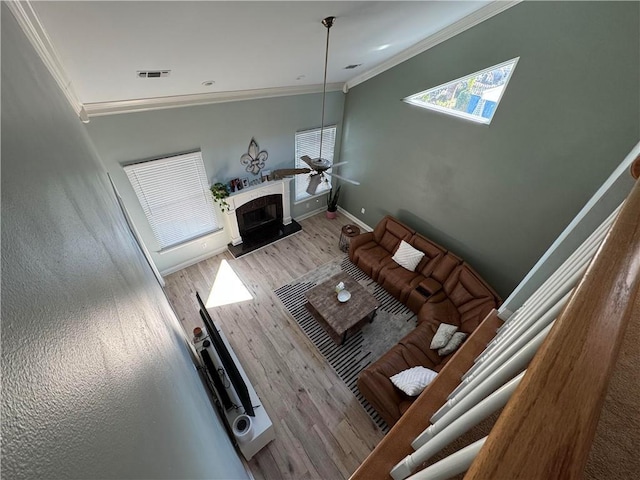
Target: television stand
(261, 431)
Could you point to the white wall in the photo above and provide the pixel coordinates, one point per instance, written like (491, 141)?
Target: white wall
(97, 378)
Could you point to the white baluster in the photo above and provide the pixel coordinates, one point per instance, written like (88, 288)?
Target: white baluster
(500, 354)
(459, 420)
(489, 380)
(452, 465)
(536, 314)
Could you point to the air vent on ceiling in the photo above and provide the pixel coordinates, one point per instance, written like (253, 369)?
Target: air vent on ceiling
(351, 67)
(153, 73)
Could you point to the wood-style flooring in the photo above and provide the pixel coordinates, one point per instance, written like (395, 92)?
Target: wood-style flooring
(321, 430)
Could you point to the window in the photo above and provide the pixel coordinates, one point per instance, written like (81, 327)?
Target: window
(474, 97)
(308, 143)
(174, 194)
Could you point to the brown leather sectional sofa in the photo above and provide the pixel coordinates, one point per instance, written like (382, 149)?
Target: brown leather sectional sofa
(443, 289)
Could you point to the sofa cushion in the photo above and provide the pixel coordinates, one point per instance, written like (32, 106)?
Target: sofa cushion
(372, 260)
(397, 280)
(389, 232)
(442, 336)
(445, 266)
(413, 381)
(437, 310)
(453, 344)
(432, 253)
(472, 298)
(407, 256)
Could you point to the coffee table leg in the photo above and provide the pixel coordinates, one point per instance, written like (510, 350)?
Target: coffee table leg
(344, 338)
(373, 315)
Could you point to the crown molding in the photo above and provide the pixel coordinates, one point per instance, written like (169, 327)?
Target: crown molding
(35, 32)
(471, 20)
(38, 37)
(176, 101)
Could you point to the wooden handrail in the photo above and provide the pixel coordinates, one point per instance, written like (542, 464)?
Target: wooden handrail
(546, 429)
(397, 443)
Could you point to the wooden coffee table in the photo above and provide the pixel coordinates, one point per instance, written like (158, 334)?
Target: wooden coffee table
(337, 318)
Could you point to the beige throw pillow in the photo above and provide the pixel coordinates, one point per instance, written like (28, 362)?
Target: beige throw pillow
(406, 256)
(453, 344)
(443, 335)
(413, 381)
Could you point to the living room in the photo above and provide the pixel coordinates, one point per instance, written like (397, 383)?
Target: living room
(496, 195)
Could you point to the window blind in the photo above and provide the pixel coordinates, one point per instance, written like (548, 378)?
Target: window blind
(308, 143)
(174, 194)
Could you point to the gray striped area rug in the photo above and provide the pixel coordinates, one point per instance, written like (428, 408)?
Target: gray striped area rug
(392, 322)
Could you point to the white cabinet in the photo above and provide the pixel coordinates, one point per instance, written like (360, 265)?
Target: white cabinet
(261, 431)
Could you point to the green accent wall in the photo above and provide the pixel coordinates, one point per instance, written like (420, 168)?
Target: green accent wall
(499, 195)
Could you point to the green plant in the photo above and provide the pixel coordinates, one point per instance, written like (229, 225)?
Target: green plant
(220, 191)
(332, 199)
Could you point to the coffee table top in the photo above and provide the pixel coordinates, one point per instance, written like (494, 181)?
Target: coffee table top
(341, 316)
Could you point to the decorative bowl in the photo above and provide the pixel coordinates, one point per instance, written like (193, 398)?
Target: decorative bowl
(343, 296)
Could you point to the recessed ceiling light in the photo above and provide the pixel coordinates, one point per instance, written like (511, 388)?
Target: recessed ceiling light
(208, 83)
(382, 47)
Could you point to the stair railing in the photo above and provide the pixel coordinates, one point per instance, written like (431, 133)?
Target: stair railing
(552, 360)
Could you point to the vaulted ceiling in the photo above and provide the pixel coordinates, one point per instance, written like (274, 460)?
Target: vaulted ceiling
(239, 46)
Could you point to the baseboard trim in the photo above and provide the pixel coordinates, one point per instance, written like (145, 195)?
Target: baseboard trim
(355, 220)
(310, 214)
(193, 261)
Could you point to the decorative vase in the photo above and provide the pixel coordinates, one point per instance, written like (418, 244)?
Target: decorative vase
(331, 215)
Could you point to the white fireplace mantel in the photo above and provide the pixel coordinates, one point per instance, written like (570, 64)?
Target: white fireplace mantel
(237, 199)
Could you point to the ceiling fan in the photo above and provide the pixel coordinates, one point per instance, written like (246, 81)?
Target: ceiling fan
(317, 166)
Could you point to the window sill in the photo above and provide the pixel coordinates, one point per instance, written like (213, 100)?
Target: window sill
(304, 200)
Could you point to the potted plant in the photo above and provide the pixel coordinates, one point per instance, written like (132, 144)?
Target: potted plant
(220, 191)
(332, 202)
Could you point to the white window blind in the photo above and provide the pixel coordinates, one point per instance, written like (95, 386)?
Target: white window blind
(174, 194)
(308, 143)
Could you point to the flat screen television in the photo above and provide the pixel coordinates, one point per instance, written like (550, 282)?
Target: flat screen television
(227, 360)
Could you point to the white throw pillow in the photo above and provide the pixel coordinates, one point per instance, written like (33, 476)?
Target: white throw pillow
(413, 381)
(443, 335)
(406, 256)
(454, 343)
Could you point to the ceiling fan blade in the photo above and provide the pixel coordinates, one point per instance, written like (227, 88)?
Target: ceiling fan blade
(287, 172)
(338, 164)
(314, 181)
(308, 160)
(348, 180)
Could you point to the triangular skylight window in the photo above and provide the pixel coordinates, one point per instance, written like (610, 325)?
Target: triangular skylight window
(474, 97)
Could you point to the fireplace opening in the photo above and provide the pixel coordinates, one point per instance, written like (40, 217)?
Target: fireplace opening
(260, 220)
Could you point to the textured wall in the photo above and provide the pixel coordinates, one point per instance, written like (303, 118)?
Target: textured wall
(222, 131)
(97, 381)
(499, 195)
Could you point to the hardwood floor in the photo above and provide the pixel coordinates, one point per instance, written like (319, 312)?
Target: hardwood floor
(322, 432)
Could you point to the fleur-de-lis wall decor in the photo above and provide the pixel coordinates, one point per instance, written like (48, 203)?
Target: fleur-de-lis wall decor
(253, 159)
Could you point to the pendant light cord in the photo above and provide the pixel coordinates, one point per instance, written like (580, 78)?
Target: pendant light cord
(327, 22)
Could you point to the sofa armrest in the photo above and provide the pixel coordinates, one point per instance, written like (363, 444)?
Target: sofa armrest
(358, 241)
(429, 286)
(380, 392)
